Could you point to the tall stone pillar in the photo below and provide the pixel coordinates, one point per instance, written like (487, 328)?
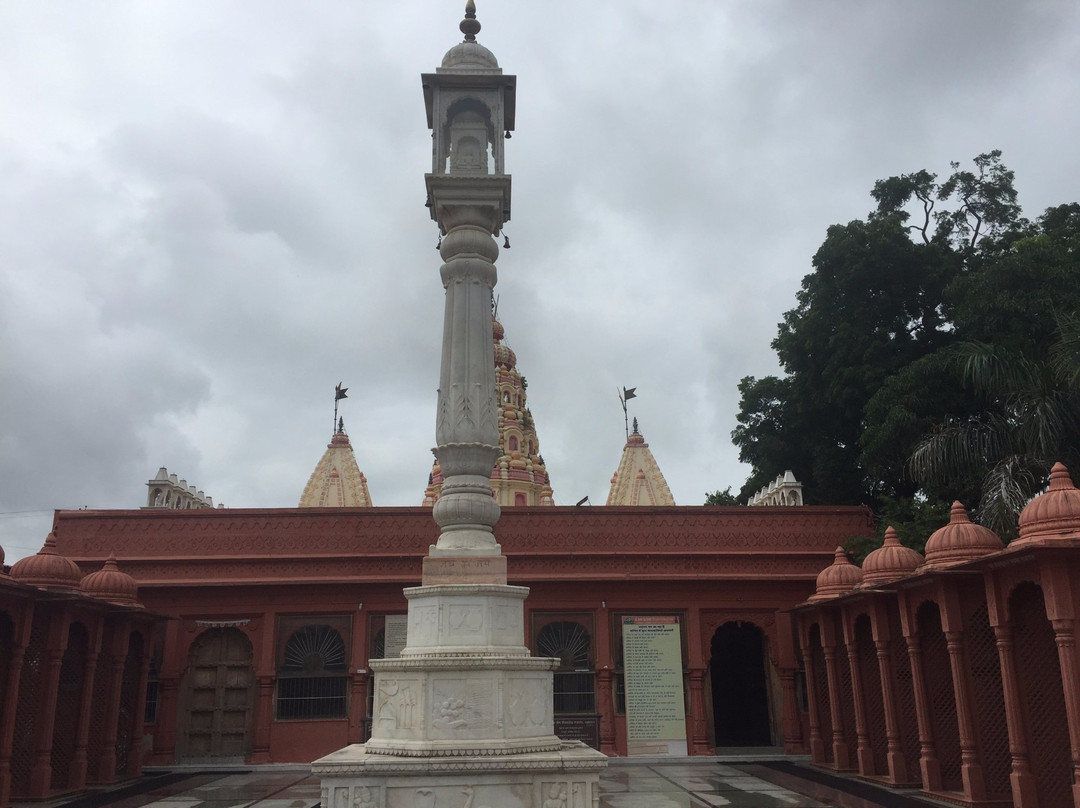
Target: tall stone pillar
(465, 714)
(1020, 778)
(817, 743)
(971, 764)
(929, 765)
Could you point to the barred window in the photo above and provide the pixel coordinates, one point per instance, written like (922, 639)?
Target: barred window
(153, 688)
(312, 680)
(569, 641)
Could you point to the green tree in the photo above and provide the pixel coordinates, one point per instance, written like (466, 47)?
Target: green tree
(1033, 420)
(870, 353)
(724, 497)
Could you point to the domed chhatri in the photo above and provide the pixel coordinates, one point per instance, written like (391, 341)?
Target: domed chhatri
(960, 540)
(111, 584)
(48, 569)
(1053, 515)
(470, 55)
(889, 562)
(837, 579)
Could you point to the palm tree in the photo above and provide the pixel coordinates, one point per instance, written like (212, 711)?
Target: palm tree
(1032, 421)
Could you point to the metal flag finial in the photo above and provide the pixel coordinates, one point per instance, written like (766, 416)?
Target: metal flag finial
(627, 394)
(470, 26)
(339, 393)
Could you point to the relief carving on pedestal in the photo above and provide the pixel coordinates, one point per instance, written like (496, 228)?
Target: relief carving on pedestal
(424, 621)
(579, 795)
(555, 795)
(367, 797)
(395, 704)
(528, 705)
(463, 704)
(466, 618)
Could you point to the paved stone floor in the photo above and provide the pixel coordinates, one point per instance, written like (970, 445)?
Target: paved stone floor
(680, 783)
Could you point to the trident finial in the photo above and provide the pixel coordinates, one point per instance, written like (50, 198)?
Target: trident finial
(470, 26)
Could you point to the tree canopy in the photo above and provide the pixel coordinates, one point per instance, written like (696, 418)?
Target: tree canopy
(932, 353)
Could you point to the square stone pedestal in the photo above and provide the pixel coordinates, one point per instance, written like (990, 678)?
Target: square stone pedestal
(564, 778)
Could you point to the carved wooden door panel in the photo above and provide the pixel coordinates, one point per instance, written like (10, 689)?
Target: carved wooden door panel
(218, 696)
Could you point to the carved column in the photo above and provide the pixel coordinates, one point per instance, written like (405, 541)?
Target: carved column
(165, 737)
(1020, 778)
(841, 752)
(117, 656)
(1065, 637)
(898, 765)
(138, 729)
(11, 702)
(970, 764)
(817, 744)
(264, 714)
(467, 424)
(41, 769)
(929, 765)
(863, 753)
(699, 736)
(793, 740)
(358, 683)
(77, 772)
(606, 703)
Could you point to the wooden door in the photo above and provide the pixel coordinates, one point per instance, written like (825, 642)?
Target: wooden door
(218, 696)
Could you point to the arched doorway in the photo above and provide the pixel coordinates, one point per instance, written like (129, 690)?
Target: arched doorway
(217, 697)
(740, 691)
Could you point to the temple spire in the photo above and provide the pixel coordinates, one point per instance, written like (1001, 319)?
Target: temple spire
(638, 480)
(519, 476)
(337, 481)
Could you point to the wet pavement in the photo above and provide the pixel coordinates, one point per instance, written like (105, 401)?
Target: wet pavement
(628, 783)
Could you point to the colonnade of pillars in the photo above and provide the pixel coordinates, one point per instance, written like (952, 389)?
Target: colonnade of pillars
(72, 695)
(964, 682)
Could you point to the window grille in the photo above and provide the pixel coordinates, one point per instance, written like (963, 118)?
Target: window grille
(574, 685)
(312, 680)
(153, 690)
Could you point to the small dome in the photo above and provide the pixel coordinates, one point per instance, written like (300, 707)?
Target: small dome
(48, 569)
(960, 540)
(890, 561)
(1055, 514)
(837, 579)
(504, 356)
(110, 584)
(466, 56)
(497, 329)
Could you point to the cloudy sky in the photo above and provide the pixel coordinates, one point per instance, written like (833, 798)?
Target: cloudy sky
(211, 213)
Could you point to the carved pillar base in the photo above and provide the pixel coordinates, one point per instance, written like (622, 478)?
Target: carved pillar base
(606, 703)
(699, 736)
(264, 712)
(464, 713)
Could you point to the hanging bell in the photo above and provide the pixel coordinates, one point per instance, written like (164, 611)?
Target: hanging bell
(438, 246)
(507, 135)
(506, 242)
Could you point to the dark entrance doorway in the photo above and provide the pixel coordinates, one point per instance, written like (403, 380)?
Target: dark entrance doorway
(218, 696)
(740, 693)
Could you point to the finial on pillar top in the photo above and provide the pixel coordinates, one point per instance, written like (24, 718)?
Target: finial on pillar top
(470, 26)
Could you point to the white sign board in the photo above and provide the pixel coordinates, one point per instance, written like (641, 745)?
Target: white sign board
(652, 666)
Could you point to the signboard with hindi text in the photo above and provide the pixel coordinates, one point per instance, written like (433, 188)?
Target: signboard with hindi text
(652, 667)
(397, 626)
